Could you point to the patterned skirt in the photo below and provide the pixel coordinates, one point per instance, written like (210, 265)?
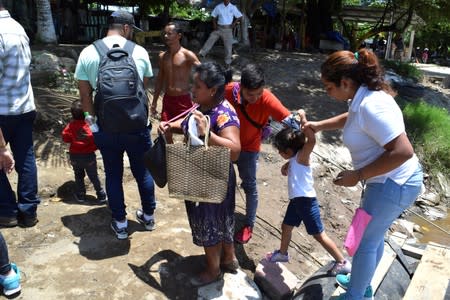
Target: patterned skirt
(213, 223)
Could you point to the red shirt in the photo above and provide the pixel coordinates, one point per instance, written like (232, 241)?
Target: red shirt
(80, 137)
(266, 106)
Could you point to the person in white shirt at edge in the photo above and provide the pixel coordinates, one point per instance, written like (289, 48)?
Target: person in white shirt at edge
(225, 17)
(382, 155)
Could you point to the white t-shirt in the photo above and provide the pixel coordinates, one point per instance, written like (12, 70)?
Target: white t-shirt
(300, 180)
(374, 120)
(89, 60)
(225, 14)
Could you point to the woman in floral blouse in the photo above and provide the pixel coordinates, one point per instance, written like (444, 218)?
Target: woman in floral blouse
(212, 225)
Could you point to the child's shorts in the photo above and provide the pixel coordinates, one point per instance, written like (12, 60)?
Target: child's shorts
(304, 209)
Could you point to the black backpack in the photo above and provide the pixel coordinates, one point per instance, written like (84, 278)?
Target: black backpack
(121, 103)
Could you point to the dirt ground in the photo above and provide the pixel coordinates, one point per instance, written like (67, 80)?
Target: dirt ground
(73, 254)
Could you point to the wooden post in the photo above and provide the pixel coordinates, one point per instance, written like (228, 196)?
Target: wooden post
(389, 41)
(411, 45)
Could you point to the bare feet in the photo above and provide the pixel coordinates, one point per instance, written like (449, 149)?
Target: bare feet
(205, 278)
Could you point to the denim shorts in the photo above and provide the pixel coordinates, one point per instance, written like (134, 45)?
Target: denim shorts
(304, 209)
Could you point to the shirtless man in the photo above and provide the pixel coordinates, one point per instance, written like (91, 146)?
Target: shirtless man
(175, 66)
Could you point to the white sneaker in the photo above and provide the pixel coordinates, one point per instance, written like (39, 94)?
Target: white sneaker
(277, 256)
(340, 268)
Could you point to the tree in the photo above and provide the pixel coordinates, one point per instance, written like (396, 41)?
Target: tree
(45, 28)
(396, 16)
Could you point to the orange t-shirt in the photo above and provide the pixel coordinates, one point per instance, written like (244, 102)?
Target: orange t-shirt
(267, 106)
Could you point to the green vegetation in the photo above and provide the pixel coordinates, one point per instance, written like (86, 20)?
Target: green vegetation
(183, 11)
(429, 129)
(403, 69)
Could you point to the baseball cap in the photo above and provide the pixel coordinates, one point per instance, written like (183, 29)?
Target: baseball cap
(122, 17)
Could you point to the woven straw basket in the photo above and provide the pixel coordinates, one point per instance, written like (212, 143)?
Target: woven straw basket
(198, 173)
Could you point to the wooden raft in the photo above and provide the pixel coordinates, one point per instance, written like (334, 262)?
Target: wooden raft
(431, 280)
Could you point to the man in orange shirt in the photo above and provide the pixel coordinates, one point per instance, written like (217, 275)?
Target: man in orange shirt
(254, 105)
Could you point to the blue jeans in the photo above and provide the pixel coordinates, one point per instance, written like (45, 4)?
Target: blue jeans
(5, 266)
(18, 132)
(247, 164)
(385, 202)
(112, 147)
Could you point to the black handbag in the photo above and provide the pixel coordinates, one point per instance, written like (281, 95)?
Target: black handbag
(155, 161)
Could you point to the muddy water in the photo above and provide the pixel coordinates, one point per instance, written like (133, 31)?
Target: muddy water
(432, 233)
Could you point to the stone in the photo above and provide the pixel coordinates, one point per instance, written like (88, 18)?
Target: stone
(275, 279)
(69, 63)
(46, 61)
(444, 185)
(233, 287)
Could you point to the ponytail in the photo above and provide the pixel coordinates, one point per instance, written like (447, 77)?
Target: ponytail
(362, 67)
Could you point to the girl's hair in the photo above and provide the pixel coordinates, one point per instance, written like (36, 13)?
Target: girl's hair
(213, 75)
(77, 110)
(362, 67)
(289, 138)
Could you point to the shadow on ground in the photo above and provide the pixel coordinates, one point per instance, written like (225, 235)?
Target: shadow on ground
(97, 240)
(160, 270)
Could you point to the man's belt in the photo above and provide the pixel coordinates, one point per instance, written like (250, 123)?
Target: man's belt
(225, 26)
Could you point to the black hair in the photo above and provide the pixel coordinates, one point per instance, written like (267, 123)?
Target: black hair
(77, 110)
(228, 75)
(252, 77)
(289, 138)
(213, 75)
(176, 27)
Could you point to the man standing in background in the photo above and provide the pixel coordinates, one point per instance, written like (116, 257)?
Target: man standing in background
(225, 17)
(175, 67)
(17, 114)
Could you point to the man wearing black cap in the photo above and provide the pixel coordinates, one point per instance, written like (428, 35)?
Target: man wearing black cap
(113, 145)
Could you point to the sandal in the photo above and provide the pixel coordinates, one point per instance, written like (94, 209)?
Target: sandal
(198, 282)
(230, 267)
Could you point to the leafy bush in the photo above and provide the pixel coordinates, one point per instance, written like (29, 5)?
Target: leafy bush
(404, 69)
(183, 11)
(429, 129)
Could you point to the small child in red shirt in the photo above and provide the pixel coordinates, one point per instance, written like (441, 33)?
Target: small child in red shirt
(82, 153)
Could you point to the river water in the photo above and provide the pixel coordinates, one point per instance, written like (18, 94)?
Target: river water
(432, 233)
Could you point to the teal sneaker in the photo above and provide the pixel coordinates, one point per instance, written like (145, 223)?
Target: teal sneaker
(344, 280)
(11, 283)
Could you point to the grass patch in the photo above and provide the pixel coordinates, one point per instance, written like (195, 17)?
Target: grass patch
(404, 69)
(429, 129)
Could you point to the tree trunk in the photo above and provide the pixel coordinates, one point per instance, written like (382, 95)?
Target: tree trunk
(45, 28)
(166, 12)
(244, 30)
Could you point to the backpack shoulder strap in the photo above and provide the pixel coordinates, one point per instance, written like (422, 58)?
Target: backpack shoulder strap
(101, 47)
(129, 47)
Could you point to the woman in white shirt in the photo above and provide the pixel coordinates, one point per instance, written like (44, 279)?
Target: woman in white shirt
(382, 155)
